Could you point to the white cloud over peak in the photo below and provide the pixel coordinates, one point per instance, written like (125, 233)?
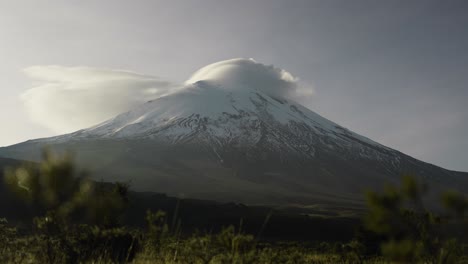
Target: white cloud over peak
(248, 74)
(72, 98)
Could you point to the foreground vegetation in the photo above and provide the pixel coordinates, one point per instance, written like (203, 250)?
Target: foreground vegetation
(158, 245)
(79, 221)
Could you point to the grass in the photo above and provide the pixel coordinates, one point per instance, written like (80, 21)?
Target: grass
(92, 245)
(158, 243)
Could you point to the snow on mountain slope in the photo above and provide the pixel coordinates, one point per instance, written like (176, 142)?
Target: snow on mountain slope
(236, 132)
(235, 101)
(204, 112)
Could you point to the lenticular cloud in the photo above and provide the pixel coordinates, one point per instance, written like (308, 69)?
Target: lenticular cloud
(237, 74)
(72, 98)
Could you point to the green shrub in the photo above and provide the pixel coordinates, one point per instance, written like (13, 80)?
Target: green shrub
(60, 195)
(409, 230)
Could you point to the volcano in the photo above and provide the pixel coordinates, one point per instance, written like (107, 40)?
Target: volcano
(232, 133)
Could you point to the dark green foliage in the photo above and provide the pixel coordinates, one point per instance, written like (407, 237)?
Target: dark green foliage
(80, 221)
(456, 203)
(63, 200)
(82, 244)
(55, 190)
(409, 231)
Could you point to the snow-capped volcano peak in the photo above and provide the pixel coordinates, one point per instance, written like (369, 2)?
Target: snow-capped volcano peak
(235, 132)
(234, 104)
(232, 87)
(206, 113)
(207, 100)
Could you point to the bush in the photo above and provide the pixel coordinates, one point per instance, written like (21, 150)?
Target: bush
(60, 195)
(409, 231)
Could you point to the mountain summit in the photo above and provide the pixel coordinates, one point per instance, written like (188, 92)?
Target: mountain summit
(234, 132)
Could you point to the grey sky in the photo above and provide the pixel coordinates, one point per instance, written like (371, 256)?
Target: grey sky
(394, 71)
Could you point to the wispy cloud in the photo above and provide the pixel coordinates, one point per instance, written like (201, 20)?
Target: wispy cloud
(71, 98)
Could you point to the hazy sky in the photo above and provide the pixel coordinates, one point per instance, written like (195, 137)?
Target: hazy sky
(394, 71)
